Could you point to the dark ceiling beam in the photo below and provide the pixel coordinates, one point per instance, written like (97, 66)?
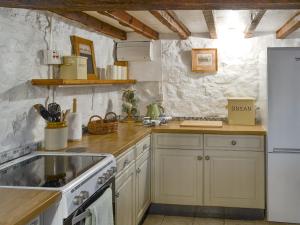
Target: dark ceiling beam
(103, 5)
(169, 19)
(254, 23)
(94, 24)
(210, 22)
(126, 19)
(289, 27)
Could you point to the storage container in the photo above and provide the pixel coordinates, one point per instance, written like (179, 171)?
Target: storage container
(56, 136)
(74, 67)
(241, 111)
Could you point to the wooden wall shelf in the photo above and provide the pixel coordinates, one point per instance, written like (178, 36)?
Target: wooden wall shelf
(62, 82)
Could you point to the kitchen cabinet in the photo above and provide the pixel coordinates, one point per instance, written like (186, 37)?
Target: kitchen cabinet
(227, 170)
(143, 184)
(125, 197)
(234, 179)
(133, 183)
(178, 176)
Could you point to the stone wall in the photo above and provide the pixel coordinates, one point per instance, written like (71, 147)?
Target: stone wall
(242, 73)
(23, 34)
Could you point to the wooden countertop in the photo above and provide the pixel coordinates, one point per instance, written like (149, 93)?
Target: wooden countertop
(20, 206)
(174, 127)
(116, 143)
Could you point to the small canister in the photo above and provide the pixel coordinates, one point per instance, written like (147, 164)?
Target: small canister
(56, 136)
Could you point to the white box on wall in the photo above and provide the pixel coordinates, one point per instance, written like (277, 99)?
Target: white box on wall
(135, 51)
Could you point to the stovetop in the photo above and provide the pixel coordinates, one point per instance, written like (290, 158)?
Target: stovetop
(47, 170)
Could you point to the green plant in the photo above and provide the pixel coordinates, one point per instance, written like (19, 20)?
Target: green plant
(129, 105)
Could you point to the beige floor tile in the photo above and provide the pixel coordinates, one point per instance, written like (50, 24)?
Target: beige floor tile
(245, 222)
(175, 220)
(154, 220)
(206, 221)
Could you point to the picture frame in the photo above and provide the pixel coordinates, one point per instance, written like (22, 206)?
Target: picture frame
(85, 47)
(205, 60)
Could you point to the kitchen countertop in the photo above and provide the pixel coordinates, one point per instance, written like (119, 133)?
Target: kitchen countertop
(19, 206)
(116, 143)
(174, 127)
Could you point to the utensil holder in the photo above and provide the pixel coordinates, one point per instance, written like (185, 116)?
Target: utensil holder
(56, 136)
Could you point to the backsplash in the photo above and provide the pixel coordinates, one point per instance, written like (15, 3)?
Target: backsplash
(24, 34)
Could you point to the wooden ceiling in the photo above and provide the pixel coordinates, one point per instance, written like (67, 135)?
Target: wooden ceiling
(162, 11)
(103, 5)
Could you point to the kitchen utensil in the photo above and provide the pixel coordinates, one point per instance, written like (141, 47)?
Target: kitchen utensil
(64, 115)
(198, 123)
(43, 112)
(55, 111)
(154, 110)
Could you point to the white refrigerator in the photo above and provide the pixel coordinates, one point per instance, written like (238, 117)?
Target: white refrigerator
(283, 139)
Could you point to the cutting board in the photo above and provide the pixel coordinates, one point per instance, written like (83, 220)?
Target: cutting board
(199, 123)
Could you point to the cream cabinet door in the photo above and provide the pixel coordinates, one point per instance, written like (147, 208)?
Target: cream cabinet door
(234, 179)
(143, 185)
(178, 176)
(125, 197)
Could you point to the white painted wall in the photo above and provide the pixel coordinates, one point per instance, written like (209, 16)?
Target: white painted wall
(23, 34)
(242, 72)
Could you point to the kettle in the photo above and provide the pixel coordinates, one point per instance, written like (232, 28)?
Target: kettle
(154, 111)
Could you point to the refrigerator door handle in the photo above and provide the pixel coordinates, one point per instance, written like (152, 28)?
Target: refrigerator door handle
(286, 150)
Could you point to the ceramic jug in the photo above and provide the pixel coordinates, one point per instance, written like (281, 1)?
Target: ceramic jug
(154, 111)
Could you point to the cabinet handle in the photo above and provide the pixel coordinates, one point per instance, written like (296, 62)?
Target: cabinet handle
(207, 157)
(145, 146)
(117, 195)
(126, 162)
(199, 157)
(138, 170)
(233, 142)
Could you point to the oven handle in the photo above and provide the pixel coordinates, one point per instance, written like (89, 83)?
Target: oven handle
(80, 217)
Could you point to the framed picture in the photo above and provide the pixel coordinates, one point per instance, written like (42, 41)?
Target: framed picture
(204, 60)
(84, 47)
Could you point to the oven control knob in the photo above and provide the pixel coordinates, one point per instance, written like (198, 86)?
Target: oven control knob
(106, 175)
(110, 172)
(77, 200)
(101, 180)
(84, 194)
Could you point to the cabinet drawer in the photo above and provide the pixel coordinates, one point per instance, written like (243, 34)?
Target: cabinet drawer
(122, 177)
(234, 142)
(179, 141)
(125, 159)
(143, 145)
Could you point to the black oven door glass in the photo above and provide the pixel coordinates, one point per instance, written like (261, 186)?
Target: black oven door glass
(47, 170)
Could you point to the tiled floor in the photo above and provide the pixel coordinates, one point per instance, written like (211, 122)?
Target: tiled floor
(174, 220)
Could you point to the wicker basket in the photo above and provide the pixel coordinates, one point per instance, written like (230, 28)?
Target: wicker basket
(100, 126)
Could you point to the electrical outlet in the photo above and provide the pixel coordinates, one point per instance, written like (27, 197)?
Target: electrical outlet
(52, 57)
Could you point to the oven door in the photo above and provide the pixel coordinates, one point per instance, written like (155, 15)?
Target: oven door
(78, 217)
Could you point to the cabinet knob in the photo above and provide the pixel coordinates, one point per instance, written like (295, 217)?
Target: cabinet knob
(199, 157)
(207, 157)
(138, 170)
(233, 142)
